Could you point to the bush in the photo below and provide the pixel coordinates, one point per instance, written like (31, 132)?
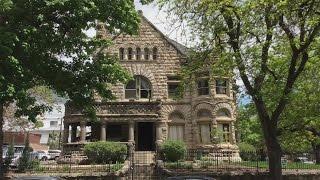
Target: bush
(173, 151)
(247, 152)
(102, 152)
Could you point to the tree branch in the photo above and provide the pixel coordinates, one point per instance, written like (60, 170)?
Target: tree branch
(288, 32)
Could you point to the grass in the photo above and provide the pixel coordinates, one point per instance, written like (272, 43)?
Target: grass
(207, 164)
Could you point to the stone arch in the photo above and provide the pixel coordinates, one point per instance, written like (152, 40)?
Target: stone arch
(169, 109)
(176, 116)
(140, 70)
(221, 106)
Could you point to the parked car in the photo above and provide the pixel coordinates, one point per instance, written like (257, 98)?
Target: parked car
(15, 161)
(54, 154)
(190, 178)
(303, 160)
(41, 155)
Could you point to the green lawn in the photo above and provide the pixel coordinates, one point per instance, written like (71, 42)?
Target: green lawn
(236, 165)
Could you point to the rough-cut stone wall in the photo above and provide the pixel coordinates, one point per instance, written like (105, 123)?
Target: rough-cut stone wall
(168, 63)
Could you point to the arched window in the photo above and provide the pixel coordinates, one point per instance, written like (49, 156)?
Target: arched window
(139, 88)
(121, 53)
(204, 118)
(223, 113)
(176, 126)
(146, 53)
(154, 53)
(138, 53)
(130, 54)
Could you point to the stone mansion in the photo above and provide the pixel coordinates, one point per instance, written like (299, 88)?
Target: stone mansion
(146, 111)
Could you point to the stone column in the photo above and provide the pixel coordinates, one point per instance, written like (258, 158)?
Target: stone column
(73, 132)
(103, 134)
(159, 134)
(131, 132)
(83, 131)
(65, 133)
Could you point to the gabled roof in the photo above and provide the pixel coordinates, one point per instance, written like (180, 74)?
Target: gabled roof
(179, 47)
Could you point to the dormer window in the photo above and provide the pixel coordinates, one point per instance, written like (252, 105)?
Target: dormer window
(146, 53)
(221, 86)
(121, 53)
(154, 53)
(138, 53)
(129, 53)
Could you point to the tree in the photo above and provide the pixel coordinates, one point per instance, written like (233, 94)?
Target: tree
(43, 43)
(53, 140)
(9, 156)
(299, 121)
(25, 160)
(250, 36)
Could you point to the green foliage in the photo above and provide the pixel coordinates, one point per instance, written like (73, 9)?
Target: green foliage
(9, 156)
(103, 152)
(44, 43)
(25, 161)
(173, 151)
(53, 140)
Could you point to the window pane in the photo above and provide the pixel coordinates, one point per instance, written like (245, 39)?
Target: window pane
(144, 94)
(221, 86)
(154, 53)
(146, 54)
(138, 53)
(131, 84)
(129, 53)
(121, 53)
(130, 93)
(144, 84)
(173, 90)
(205, 133)
(203, 87)
(176, 132)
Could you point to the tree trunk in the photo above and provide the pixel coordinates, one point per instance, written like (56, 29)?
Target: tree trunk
(1, 142)
(316, 152)
(274, 152)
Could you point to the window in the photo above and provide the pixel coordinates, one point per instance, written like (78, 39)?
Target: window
(173, 85)
(146, 53)
(138, 53)
(203, 86)
(176, 132)
(176, 126)
(221, 86)
(204, 118)
(139, 88)
(205, 132)
(121, 53)
(223, 113)
(226, 133)
(53, 123)
(154, 53)
(129, 53)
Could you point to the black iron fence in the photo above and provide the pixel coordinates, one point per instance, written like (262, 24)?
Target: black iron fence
(219, 160)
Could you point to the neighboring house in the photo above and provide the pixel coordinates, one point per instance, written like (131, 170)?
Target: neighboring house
(51, 122)
(146, 112)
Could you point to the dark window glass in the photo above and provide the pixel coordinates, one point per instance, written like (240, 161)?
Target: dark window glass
(138, 88)
(221, 86)
(203, 87)
(154, 53)
(173, 90)
(129, 53)
(138, 53)
(121, 53)
(146, 53)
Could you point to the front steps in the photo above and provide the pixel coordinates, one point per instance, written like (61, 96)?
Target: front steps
(144, 157)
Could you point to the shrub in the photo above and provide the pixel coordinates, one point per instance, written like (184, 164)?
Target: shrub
(102, 152)
(173, 151)
(9, 157)
(247, 151)
(25, 160)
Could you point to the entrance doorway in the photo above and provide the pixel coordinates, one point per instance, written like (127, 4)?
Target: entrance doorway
(146, 135)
